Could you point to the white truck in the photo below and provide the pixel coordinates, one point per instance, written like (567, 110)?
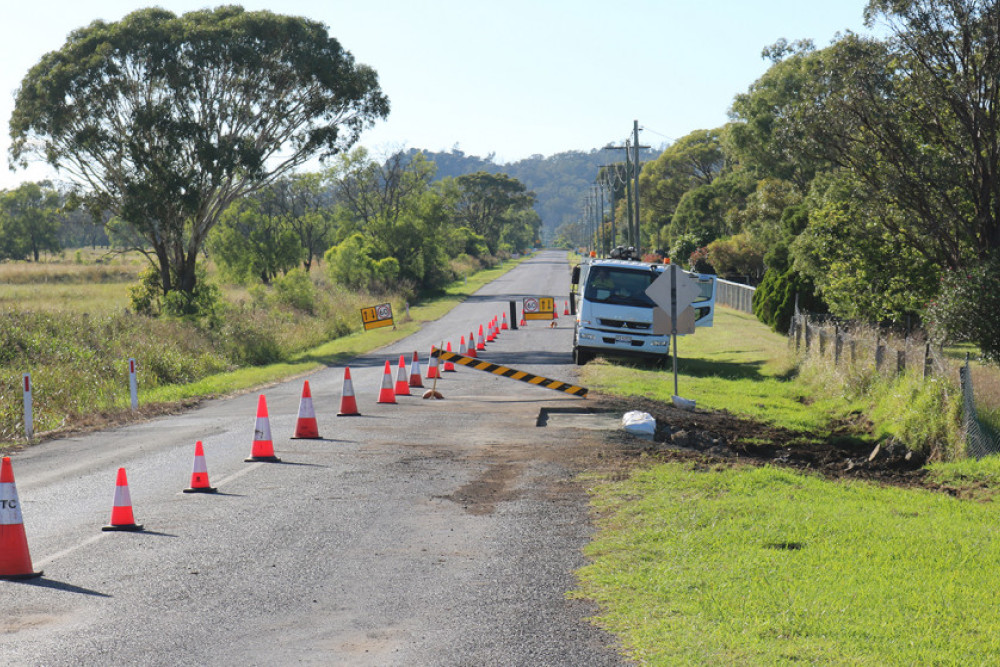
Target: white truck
(614, 316)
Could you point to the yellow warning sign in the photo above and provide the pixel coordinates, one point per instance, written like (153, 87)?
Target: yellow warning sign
(539, 308)
(374, 317)
(513, 374)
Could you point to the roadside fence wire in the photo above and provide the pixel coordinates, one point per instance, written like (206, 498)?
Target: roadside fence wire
(734, 295)
(891, 350)
(980, 439)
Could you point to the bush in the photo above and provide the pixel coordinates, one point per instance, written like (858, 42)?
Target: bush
(774, 300)
(296, 289)
(967, 308)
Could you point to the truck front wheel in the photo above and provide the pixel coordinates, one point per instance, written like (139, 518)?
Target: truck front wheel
(581, 356)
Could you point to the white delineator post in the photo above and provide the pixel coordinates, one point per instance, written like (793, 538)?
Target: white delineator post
(29, 426)
(133, 386)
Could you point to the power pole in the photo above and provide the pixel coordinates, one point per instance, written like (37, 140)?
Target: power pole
(635, 143)
(611, 187)
(605, 247)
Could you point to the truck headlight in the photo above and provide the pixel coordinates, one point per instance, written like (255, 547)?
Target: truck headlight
(586, 336)
(659, 343)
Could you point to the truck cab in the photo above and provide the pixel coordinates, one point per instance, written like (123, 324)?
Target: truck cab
(614, 316)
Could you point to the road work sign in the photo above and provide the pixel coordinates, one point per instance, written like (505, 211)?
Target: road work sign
(374, 317)
(539, 308)
(513, 374)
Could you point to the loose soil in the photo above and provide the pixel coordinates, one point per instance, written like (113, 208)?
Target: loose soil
(848, 451)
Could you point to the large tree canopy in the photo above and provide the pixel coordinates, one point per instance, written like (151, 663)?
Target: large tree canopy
(166, 120)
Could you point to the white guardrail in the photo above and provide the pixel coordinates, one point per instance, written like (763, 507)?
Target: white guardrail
(734, 295)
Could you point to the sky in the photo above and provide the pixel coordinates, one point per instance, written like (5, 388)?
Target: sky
(515, 78)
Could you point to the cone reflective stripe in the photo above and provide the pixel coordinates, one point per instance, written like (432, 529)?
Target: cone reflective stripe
(480, 342)
(449, 365)
(121, 510)
(348, 405)
(402, 378)
(386, 394)
(415, 380)
(472, 345)
(15, 560)
(306, 427)
(263, 446)
(503, 323)
(199, 477)
(432, 367)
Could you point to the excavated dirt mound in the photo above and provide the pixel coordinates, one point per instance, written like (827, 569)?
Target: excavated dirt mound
(848, 452)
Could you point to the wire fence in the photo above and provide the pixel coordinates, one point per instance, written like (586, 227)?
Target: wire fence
(892, 350)
(734, 295)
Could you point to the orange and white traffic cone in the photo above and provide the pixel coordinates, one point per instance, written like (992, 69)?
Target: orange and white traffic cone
(555, 312)
(462, 350)
(503, 323)
(524, 320)
(348, 404)
(199, 477)
(15, 560)
(263, 446)
(306, 427)
(415, 380)
(448, 365)
(490, 333)
(471, 351)
(565, 307)
(386, 394)
(481, 341)
(121, 512)
(402, 379)
(433, 370)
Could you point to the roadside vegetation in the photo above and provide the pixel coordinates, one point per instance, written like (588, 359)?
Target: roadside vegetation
(715, 561)
(75, 339)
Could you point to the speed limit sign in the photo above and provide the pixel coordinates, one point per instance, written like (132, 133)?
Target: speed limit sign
(530, 304)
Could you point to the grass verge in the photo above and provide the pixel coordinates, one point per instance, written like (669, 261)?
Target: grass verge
(741, 565)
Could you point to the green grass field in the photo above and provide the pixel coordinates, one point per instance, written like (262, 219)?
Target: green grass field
(699, 564)
(763, 566)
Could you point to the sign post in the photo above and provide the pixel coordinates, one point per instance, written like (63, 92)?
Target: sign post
(674, 292)
(29, 418)
(133, 386)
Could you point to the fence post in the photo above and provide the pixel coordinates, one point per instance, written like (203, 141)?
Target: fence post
(808, 337)
(836, 345)
(822, 341)
(879, 351)
(928, 360)
(900, 361)
(854, 355)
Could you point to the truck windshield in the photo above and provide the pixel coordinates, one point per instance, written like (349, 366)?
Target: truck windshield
(627, 287)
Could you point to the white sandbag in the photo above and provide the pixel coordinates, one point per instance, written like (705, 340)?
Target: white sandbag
(639, 423)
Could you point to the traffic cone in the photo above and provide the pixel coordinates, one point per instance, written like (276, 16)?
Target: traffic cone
(524, 320)
(555, 312)
(490, 332)
(461, 347)
(402, 379)
(448, 365)
(471, 351)
(121, 511)
(415, 380)
(306, 427)
(481, 341)
(386, 394)
(433, 370)
(503, 323)
(199, 477)
(263, 446)
(348, 405)
(565, 307)
(15, 560)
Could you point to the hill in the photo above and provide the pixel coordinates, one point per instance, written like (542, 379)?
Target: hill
(561, 181)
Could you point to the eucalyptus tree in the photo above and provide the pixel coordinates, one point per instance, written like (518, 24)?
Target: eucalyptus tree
(166, 120)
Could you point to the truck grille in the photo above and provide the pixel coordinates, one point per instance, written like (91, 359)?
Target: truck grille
(625, 324)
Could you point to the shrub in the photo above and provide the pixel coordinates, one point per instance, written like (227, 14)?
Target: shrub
(774, 300)
(296, 289)
(967, 308)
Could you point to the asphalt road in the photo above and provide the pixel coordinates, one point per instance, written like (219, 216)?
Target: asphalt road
(423, 533)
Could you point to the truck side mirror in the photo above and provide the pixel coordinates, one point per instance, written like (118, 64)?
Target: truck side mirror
(575, 276)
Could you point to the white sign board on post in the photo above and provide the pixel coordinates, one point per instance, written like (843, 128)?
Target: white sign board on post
(674, 291)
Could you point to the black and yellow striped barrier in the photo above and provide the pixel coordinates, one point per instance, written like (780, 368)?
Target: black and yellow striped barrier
(503, 371)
